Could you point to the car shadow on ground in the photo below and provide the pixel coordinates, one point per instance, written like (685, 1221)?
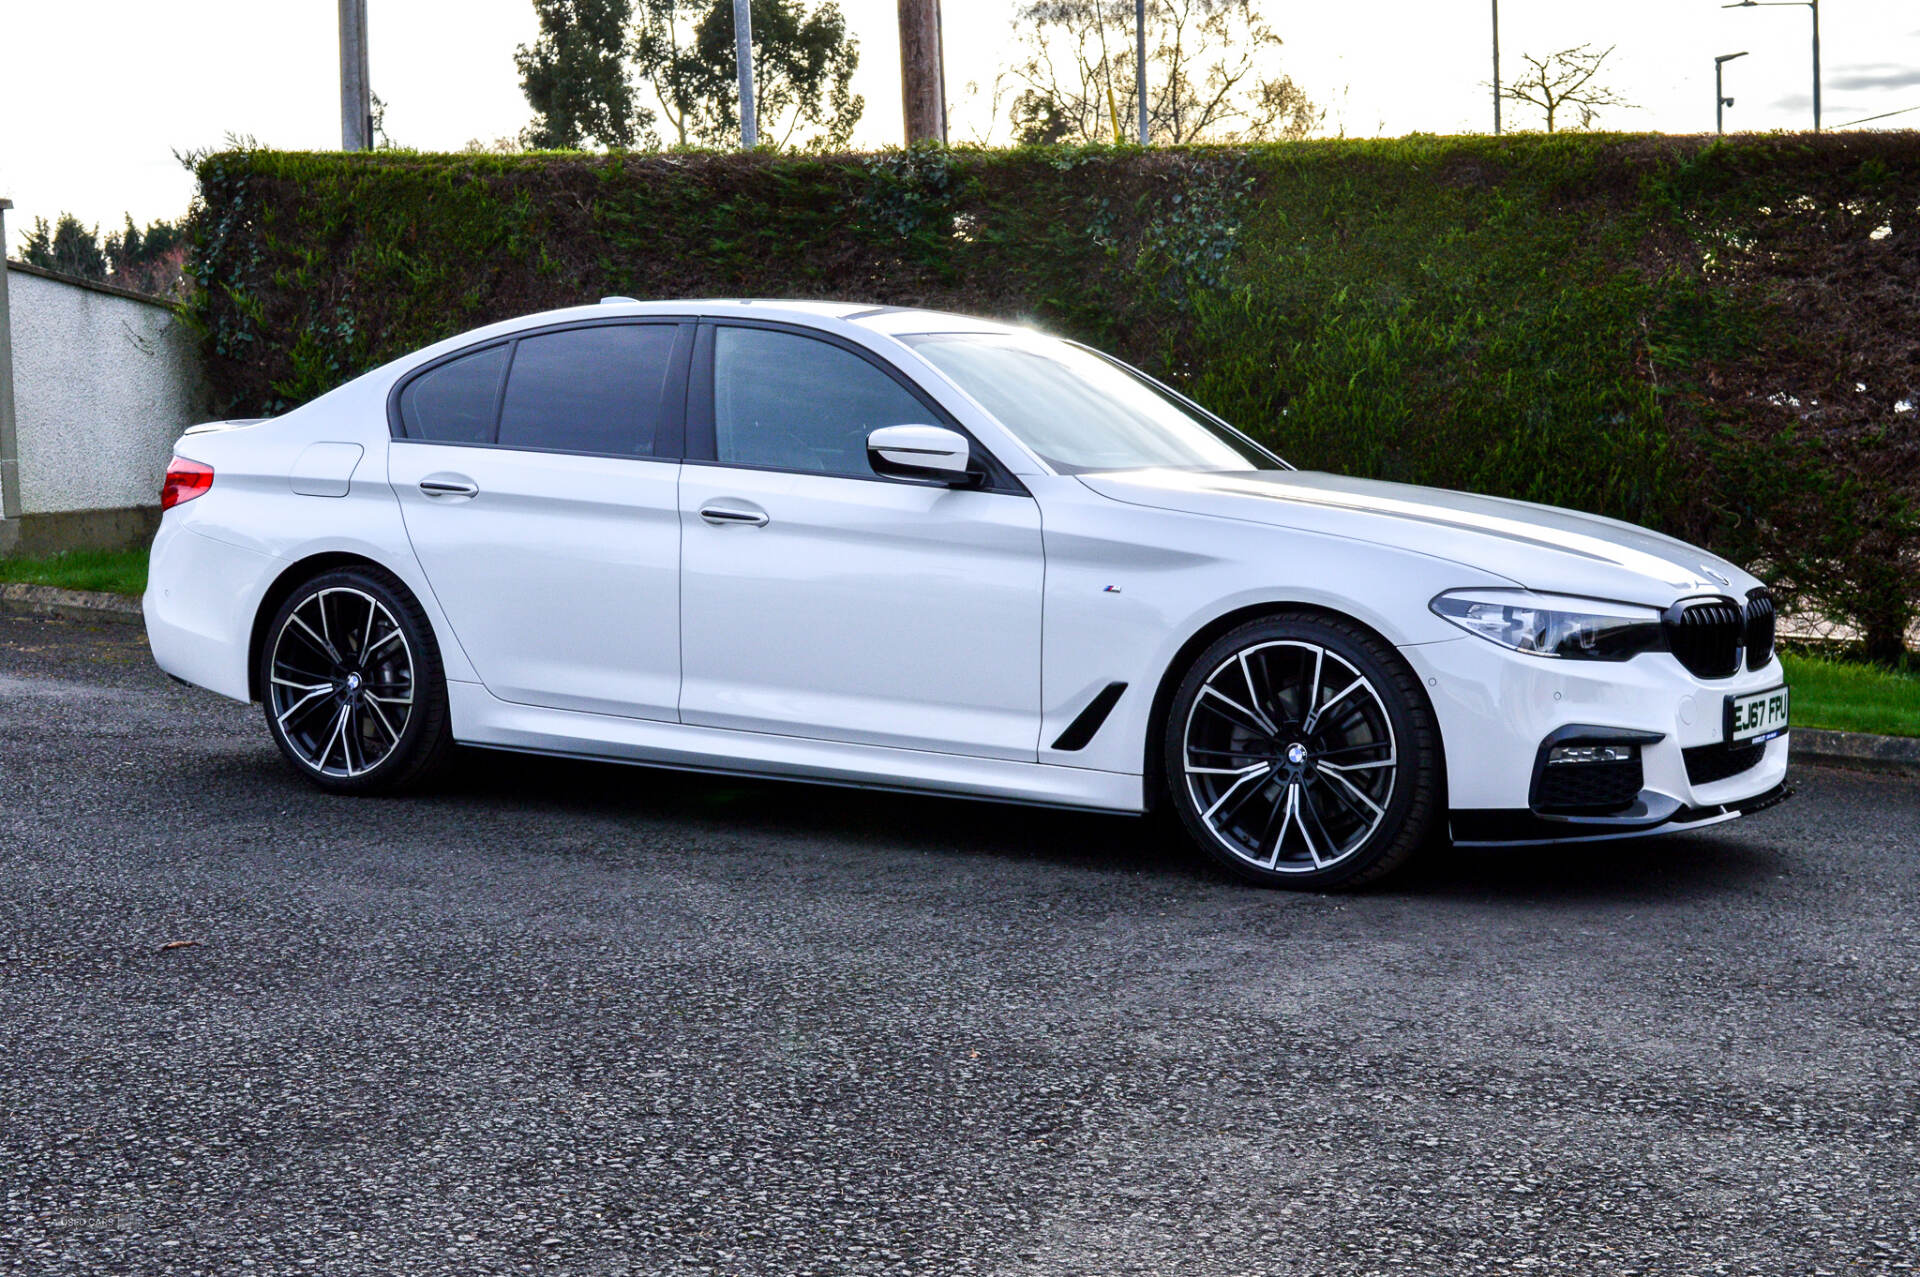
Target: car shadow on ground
(1665, 868)
(878, 818)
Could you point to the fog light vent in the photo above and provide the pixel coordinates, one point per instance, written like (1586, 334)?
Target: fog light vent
(1562, 754)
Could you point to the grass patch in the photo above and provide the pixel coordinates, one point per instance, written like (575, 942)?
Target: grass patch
(1846, 696)
(115, 571)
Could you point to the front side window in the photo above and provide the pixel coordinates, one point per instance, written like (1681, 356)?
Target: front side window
(1081, 412)
(788, 402)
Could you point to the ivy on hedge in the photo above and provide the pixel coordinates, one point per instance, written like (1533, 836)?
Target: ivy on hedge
(1713, 338)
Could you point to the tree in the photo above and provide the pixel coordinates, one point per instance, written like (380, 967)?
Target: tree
(377, 108)
(575, 76)
(1562, 80)
(150, 261)
(153, 261)
(66, 246)
(803, 65)
(663, 49)
(605, 72)
(1210, 73)
(980, 122)
(1039, 120)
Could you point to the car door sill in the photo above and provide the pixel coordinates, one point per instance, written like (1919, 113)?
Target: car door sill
(480, 718)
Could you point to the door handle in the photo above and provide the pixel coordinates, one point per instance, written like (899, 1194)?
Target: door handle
(449, 487)
(743, 514)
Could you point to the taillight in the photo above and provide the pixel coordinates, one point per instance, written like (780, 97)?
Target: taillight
(185, 481)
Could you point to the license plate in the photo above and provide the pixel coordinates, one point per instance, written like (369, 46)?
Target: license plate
(1757, 716)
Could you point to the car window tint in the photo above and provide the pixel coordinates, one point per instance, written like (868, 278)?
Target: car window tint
(588, 389)
(794, 403)
(455, 402)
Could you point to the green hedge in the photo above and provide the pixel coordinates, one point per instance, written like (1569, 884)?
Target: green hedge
(1714, 338)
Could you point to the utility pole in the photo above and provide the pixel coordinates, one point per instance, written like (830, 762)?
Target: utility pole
(1140, 62)
(1496, 68)
(743, 54)
(1720, 99)
(356, 96)
(923, 75)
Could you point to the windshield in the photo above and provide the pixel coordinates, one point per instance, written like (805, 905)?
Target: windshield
(1082, 412)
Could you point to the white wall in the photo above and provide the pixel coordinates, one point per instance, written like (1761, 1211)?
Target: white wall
(103, 384)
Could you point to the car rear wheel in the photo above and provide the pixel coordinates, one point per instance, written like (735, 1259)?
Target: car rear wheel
(1300, 752)
(353, 688)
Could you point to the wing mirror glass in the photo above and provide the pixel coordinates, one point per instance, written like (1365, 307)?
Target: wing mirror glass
(920, 452)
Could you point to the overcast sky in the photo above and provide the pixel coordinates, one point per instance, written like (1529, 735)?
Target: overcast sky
(91, 125)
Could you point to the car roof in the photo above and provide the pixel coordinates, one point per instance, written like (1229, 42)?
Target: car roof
(883, 321)
(892, 320)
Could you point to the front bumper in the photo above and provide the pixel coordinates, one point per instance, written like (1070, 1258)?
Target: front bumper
(1496, 708)
(1520, 828)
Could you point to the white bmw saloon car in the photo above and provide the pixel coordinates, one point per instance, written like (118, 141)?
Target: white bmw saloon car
(891, 548)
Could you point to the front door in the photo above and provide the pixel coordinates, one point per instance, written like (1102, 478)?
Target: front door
(820, 600)
(545, 524)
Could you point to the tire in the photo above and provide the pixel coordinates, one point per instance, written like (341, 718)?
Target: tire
(1250, 754)
(332, 642)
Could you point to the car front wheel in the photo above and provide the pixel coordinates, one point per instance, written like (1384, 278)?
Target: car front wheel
(351, 680)
(1301, 752)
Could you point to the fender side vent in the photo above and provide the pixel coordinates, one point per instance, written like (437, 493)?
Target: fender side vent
(1082, 728)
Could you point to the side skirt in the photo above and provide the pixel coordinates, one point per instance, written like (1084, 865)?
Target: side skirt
(480, 718)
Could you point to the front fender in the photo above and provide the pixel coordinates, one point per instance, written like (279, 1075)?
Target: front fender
(1129, 588)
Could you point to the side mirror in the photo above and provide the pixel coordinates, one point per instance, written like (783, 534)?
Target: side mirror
(920, 452)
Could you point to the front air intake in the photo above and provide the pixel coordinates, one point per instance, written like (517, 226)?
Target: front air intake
(1706, 636)
(1718, 761)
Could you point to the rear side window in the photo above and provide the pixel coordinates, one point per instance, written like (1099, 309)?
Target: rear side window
(600, 389)
(456, 402)
(588, 389)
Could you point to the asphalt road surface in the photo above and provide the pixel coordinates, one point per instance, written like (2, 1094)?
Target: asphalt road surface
(570, 1018)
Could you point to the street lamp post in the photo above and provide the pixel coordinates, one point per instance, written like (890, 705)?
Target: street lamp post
(1720, 100)
(1781, 4)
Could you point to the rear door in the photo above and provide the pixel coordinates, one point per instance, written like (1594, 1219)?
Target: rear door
(538, 479)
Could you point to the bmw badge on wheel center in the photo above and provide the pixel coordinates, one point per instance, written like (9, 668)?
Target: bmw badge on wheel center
(892, 548)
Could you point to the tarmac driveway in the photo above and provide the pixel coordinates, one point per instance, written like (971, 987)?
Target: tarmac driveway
(570, 1018)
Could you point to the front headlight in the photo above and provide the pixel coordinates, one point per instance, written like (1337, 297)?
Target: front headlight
(1554, 624)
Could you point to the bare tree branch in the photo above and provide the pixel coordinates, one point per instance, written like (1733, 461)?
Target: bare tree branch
(1210, 73)
(1565, 79)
